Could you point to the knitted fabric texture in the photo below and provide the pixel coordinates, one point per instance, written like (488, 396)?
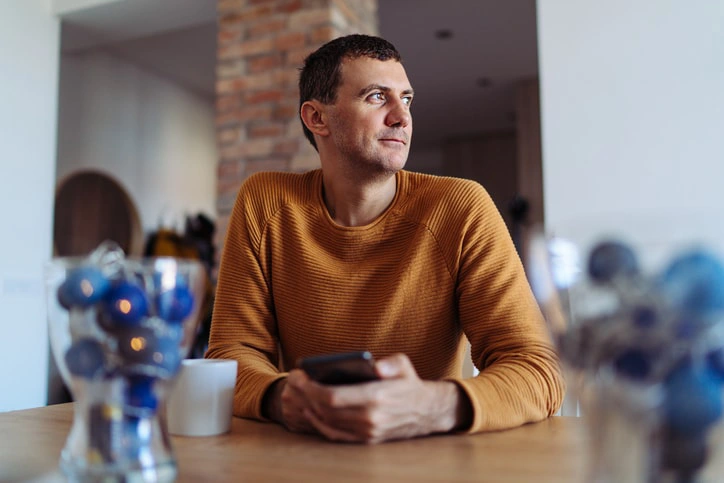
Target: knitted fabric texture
(436, 267)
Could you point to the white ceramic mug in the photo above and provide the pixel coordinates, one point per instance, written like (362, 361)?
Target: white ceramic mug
(201, 401)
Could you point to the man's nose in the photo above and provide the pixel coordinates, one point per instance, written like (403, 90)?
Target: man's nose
(399, 115)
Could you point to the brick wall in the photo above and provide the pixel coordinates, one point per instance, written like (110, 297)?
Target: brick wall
(261, 46)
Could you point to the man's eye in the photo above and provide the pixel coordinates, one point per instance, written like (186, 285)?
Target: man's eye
(407, 100)
(377, 96)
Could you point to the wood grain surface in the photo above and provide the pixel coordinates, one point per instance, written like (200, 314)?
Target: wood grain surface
(550, 451)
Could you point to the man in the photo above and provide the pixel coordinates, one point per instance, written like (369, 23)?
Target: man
(362, 255)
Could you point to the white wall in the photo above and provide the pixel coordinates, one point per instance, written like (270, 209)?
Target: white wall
(29, 45)
(155, 138)
(632, 107)
(632, 112)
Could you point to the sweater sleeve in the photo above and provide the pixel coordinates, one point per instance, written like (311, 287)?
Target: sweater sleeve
(243, 326)
(520, 379)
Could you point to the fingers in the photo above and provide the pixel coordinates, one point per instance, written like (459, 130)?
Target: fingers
(293, 404)
(346, 430)
(369, 394)
(341, 413)
(395, 366)
(330, 432)
(341, 407)
(306, 407)
(365, 412)
(324, 398)
(297, 377)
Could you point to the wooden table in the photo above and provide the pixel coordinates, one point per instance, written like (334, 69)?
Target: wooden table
(550, 451)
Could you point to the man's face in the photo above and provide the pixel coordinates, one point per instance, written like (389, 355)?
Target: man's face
(370, 121)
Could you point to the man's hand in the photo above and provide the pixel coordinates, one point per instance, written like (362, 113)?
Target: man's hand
(399, 406)
(285, 404)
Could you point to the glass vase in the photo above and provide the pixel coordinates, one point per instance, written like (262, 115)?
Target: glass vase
(119, 329)
(636, 311)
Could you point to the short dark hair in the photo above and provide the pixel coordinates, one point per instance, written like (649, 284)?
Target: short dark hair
(320, 76)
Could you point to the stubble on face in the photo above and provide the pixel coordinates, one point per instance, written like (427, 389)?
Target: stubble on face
(361, 153)
(366, 143)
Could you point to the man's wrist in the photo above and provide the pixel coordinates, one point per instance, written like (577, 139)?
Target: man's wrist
(463, 410)
(456, 412)
(271, 404)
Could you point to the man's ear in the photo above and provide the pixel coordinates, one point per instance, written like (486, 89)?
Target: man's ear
(314, 117)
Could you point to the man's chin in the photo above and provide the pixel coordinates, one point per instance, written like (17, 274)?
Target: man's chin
(396, 161)
(382, 167)
(392, 166)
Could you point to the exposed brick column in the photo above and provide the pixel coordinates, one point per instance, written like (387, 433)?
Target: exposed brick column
(261, 46)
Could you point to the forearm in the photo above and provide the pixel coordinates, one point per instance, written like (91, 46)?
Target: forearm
(255, 374)
(508, 394)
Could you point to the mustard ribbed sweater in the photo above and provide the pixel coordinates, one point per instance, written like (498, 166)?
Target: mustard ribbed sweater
(436, 266)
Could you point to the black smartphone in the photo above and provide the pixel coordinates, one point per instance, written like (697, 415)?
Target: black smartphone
(344, 368)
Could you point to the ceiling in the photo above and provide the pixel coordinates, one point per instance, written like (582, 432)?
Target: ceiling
(463, 84)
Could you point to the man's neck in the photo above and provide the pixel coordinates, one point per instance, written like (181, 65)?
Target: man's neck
(355, 202)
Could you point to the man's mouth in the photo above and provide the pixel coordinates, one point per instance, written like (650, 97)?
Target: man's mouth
(397, 137)
(394, 140)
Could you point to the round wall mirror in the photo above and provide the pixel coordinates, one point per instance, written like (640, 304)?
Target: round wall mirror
(91, 207)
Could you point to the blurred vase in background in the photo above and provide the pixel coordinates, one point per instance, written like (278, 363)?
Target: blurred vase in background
(636, 311)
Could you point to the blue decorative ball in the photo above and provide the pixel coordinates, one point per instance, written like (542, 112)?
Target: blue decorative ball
(126, 304)
(611, 259)
(633, 364)
(715, 362)
(693, 399)
(85, 358)
(83, 287)
(140, 392)
(644, 317)
(686, 328)
(140, 345)
(137, 345)
(176, 304)
(694, 282)
(168, 355)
